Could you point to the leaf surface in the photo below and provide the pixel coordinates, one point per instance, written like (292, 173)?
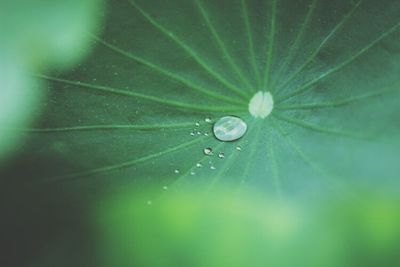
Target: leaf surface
(129, 113)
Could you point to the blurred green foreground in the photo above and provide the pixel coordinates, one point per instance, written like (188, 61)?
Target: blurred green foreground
(228, 229)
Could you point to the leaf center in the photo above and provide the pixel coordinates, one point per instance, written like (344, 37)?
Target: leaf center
(261, 105)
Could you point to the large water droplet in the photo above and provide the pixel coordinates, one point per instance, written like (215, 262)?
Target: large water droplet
(229, 128)
(207, 151)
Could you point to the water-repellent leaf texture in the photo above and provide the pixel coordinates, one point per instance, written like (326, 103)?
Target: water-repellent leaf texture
(139, 108)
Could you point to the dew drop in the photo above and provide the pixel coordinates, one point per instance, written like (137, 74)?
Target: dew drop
(229, 128)
(192, 134)
(213, 168)
(197, 124)
(165, 187)
(221, 155)
(176, 171)
(239, 148)
(205, 134)
(149, 202)
(198, 133)
(192, 173)
(207, 151)
(199, 165)
(208, 120)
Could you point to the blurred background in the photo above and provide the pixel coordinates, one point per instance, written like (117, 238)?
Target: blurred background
(66, 225)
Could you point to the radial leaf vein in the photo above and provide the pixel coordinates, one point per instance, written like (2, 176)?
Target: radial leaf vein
(228, 161)
(250, 41)
(338, 102)
(335, 30)
(319, 129)
(222, 46)
(274, 167)
(336, 185)
(189, 170)
(296, 43)
(190, 51)
(172, 103)
(127, 164)
(309, 85)
(111, 127)
(170, 74)
(271, 44)
(252, 150)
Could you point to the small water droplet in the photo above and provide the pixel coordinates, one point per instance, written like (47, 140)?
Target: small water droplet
(199, 133)
(239, 148)
(221, 155)
(197, 124)
(176, 171)
(229, 128)
(149, 202)
(207, 151)
(205, 134)
(192, 173)
(192, 134)
(199, 165)
(213, 168)
(165, 187)
(208, 120)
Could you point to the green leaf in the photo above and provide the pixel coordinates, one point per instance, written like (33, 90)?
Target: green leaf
(159, 67)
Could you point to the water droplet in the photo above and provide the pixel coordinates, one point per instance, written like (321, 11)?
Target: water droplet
(198, 133)
(197, 124)
(205, 134)
(208, 151)
(199, 165)
(165, 187)
(208, 120)
(229, 128)
(192, 173)
(239, 148)
(192, 134)
(149, 202)
(221, 155)
(176, 171)
(213, 168)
